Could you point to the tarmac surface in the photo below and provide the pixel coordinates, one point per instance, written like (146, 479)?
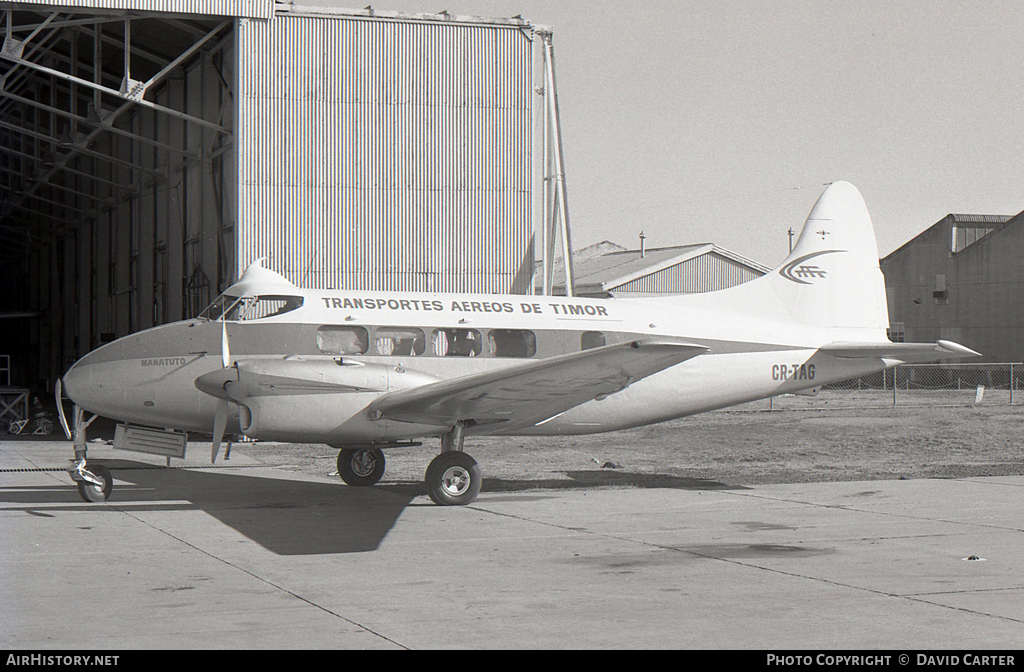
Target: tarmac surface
(248, 556)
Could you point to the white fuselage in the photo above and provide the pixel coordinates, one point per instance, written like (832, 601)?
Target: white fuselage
(149, 377)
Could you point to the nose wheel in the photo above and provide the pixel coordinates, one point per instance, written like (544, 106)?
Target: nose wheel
(90, 491)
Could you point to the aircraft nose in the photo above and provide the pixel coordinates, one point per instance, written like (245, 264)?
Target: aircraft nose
(75, 381)
(94, 384)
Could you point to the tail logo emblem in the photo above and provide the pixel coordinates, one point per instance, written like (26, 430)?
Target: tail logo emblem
(802, 273)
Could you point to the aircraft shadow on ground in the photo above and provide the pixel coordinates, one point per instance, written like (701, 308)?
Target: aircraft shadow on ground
(600, 478)
(287, 517)
(296, 517)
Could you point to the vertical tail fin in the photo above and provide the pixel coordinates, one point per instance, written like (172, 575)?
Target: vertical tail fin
(830, 282)
(832, 278)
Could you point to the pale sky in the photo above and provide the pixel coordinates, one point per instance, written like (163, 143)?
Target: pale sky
(721, 121)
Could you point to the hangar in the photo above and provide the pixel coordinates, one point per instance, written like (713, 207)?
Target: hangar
(607, 269)
(152, 150)
(962, 279)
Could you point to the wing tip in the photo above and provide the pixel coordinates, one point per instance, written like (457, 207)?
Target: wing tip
(957, 349)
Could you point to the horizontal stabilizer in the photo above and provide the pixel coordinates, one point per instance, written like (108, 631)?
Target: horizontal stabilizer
(524, 395)
(904, 352)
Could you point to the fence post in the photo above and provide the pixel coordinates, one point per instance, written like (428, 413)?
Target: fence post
(894, 385)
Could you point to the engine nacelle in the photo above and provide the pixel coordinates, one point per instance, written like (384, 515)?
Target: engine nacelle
(303, 400)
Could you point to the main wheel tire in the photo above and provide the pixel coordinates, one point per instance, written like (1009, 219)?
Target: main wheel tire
(95, 493)
(361, 467)
(453, 479)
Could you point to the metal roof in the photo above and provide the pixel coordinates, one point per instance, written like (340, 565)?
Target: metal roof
(254, 9)
(291, 8)
(955, 219)
(985, 220)
(606, 272)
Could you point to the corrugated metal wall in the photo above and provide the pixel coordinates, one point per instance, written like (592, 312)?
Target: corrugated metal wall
(386, 154)
(705, 273)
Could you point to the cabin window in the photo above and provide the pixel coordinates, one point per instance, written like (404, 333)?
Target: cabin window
(591, 339)
(512, 343)
(400, 341)
(456, 343)
(334, 340)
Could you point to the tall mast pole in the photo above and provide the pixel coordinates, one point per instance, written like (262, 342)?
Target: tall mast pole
(560, 209)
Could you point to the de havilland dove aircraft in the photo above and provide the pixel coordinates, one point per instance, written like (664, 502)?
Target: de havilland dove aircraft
(367, 371)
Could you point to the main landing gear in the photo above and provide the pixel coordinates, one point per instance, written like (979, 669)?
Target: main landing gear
(453, 478)
(361, 466)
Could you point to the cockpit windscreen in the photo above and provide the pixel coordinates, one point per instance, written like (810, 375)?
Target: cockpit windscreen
(245, 308)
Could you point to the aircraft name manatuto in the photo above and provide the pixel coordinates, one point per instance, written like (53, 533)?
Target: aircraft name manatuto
(164, 361)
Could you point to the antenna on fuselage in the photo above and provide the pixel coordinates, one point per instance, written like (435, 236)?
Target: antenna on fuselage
(309, 267)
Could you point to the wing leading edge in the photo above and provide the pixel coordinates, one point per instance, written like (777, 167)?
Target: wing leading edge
(524, 395)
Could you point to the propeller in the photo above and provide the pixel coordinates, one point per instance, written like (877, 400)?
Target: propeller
(220, 418)
(220, 422)
(225, 347)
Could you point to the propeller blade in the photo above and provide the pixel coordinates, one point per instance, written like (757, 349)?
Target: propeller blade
(220, 422)
(225, 350)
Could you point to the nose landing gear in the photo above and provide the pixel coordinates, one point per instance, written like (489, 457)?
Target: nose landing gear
(94, 481)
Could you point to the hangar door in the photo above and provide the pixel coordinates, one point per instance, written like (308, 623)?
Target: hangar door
(386, 153)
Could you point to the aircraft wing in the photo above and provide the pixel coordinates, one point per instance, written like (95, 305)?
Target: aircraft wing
(526, 394)
(904, 352)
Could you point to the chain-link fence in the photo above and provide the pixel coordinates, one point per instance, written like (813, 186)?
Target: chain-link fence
(920, 385)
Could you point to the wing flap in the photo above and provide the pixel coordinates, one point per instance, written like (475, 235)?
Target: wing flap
(904, 352)
(534, 391)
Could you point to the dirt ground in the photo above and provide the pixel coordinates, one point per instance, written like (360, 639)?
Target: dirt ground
(836, 436)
